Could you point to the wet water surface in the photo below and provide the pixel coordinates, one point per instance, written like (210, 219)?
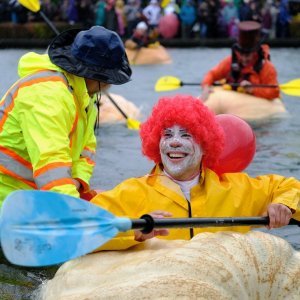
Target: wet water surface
(119, 156)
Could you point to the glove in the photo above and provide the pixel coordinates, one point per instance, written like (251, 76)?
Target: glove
(241, 89)
(88, 195)
(227, 87)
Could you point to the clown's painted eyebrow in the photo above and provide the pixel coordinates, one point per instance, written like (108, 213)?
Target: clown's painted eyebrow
(169, 130)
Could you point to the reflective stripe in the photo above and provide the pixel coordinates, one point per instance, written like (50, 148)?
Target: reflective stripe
(58, 182)
(57, 173)
(6, 106)
(16, 167)
(50, 166)
(43, 76)
(89, 154)
(13, 164)
(18, 170)
(16, 157)
(16, 176)
(89, 149)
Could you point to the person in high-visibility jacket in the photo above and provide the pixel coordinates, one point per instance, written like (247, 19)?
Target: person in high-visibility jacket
(185, 141)
(248, 64)
(47, 117)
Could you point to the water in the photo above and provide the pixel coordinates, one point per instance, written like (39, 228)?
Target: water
(119, 155)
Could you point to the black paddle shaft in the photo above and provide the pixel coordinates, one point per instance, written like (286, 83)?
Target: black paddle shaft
(116, 105)
(147, 223)
(233, 84)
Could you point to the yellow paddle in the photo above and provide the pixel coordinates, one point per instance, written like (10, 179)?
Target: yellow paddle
(34, 6)
(168, 83)
(131, 123)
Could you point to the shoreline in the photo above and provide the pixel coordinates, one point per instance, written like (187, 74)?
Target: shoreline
(39, 35)
(27, 43)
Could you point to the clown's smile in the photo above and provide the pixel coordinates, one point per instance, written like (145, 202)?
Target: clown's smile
(176, 155)
(180, 154)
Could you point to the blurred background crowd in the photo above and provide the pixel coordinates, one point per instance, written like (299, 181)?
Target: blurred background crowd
(197, 18)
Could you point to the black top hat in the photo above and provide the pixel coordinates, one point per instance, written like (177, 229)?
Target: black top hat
(96, 53)
(249, 36)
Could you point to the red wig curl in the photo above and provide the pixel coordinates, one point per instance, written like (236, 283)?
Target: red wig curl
(189, 113)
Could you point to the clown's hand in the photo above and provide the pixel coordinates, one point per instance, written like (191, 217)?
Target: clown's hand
(157, 214)
(279, 215)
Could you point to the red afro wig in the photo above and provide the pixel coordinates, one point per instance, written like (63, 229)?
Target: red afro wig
(189, 113)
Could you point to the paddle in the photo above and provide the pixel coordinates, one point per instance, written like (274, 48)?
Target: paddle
(131, 123)
(168, 83)
(34, 6)
(40, 228)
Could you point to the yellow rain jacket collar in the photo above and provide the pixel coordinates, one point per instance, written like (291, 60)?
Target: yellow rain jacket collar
(165, 185)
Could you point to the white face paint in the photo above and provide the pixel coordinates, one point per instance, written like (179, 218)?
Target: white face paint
(180, 154)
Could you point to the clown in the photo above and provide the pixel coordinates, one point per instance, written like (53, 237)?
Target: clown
(183, 139)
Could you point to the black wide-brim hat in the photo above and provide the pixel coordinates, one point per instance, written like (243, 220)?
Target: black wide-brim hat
(96, 53)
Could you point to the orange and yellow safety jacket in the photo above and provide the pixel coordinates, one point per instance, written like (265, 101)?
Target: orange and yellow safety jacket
(46, 130)
(231, 195)
(265, 75)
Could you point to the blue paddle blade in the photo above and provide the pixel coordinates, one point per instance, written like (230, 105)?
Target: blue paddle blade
(40, 228)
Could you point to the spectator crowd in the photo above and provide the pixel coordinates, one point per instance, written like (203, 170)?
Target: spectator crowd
(197, 18)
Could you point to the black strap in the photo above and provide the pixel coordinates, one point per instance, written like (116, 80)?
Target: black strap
(98, 104)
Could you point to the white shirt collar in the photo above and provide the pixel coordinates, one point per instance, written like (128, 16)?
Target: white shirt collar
(185, 185)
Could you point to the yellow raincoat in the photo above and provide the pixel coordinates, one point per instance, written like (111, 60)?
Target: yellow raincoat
(232, 195)
(46, 130)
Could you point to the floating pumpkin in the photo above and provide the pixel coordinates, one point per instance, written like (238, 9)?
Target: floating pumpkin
(220, 266)
(110, 114)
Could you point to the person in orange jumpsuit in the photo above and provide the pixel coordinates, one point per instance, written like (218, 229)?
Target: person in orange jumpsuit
(249, 64)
